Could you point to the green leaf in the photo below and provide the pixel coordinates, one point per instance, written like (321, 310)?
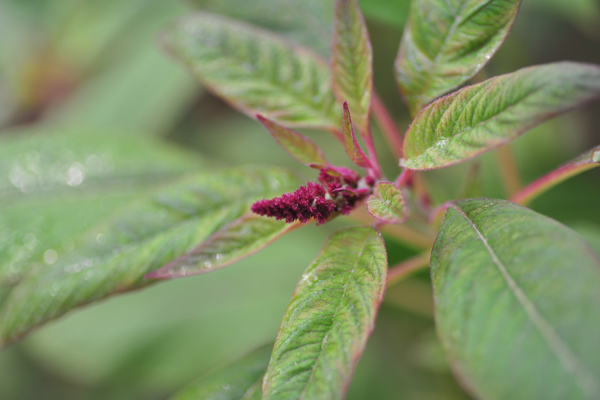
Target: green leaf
(586, 161)
(387, 204)
(114, 257)
(242, 238)
(56, 185)
(238, 381)
(446, 42)
(351, 144)
(483, 116)
(296, 144)
(517, 303)
(329, 319)
(352, 61)
(254, 70)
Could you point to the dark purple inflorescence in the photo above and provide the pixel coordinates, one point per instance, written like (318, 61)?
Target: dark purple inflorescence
(337, 192)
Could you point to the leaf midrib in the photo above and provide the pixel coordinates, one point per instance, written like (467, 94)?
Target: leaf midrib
(567, 358)
(358, 257)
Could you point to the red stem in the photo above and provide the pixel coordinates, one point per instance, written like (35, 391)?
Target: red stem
(387, 125)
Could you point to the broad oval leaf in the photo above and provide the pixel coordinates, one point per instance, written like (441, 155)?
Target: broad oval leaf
(254, 70)
(352, 61)
(352, 147)
(483, 116)
(242, 238)
(329, 318)
(55, 185)
(114, 257)
(238, 381)
(387, 204)
(517, 303)
(296, 144)
(446, 42)
(588, 160)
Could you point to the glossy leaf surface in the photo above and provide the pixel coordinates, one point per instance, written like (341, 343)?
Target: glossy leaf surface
(387, 204)
(517, 303)
(56, 185)
(254, 70)
(243, 237)
(483, 116)
(351, 144)
(296, 144)
(114, 257)
(330, 316)
(446, 42)
(352, 60)
(238, 381)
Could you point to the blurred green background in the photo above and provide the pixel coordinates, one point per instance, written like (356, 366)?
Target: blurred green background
(76, 74)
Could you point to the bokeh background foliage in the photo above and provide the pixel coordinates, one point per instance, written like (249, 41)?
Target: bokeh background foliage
(94, 117)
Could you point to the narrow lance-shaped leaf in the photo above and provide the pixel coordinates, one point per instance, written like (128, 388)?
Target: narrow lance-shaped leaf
(254, 70)
(588, 160)
(330, 317)
(114, 257)
(483, 116)
(352, 147)
(351, 61)
(242, 238)
(446, 42)
(238, 381)
(387, 204)
(517, 303)
(296, 144)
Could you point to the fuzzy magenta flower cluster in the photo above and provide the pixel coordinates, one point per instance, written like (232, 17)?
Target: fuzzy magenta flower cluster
(339, 190)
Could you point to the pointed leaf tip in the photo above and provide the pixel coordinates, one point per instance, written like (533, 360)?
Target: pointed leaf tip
(296, 144)
(351, 144)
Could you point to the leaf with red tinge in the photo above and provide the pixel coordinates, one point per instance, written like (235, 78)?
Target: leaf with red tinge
(588, 160)
(240, 239)
(517, 298)
(296, 144)
(446, 42)
(254, 70)
(329, 319)
(352, 148)
(351, 61)
(481, 117)
(387, 204)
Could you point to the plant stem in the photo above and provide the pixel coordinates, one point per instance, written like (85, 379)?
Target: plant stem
(400, 271)
(368, 138)
(552, 179)
(405, 233)
(508, 170)
(387, 125)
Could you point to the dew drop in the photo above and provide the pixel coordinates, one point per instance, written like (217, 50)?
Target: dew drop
(50, 256)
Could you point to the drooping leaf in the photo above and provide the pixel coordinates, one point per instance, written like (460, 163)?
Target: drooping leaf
(351, 144)
(446, 42)
(296, 144)
(387, 204)
(254, 70)
(483, 116)
(55, 185)
(329, 319)
(238, 381)
(114, 257)
(517, 303)
(352, 61)
(588, 160)
(242, 238)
